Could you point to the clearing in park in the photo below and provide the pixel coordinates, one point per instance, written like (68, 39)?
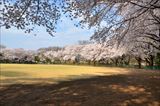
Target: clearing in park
(69, 85)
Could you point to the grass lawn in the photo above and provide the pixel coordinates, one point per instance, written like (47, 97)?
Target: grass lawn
(68, 85)
(29, 74)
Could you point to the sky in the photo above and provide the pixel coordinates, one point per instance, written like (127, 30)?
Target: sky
(67, 34)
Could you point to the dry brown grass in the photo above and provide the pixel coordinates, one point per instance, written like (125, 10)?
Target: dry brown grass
(122, 87)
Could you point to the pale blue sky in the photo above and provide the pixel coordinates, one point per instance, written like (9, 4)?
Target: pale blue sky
(66, 34)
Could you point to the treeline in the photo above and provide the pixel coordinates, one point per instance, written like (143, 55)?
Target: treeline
(86, 54)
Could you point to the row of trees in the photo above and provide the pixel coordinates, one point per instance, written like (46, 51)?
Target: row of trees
(91, 54)
(16, 56)
(131, 25)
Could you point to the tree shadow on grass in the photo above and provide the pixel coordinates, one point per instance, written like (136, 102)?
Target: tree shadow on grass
(30, 80)
(114, 90)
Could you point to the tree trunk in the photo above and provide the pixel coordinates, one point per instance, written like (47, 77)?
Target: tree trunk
(89, 62)
(147, 61)
(116, 62)
(128, 62)
(94, 63)
(139, 60)
(151, 61)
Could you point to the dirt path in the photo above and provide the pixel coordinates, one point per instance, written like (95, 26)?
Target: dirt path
(139, 88)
